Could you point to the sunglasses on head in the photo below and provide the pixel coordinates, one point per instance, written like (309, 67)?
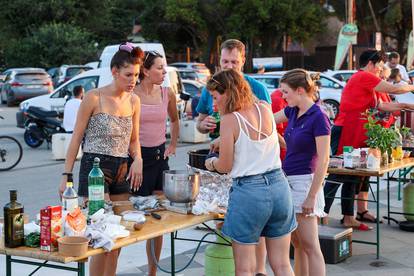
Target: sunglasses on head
(127, 47)
(153, 53)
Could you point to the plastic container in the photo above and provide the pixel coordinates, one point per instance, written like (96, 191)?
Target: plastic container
(190, 134)
(73, 246)
(60, 144)
(336, 244)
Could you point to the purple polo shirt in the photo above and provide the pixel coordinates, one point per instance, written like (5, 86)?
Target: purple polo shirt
(300, 139)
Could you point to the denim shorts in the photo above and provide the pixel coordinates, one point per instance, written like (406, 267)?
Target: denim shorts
(114, 168)
(259, 205)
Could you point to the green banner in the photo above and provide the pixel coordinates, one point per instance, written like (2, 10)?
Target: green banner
(347, 37)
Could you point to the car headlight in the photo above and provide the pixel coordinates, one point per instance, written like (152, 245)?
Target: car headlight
(24, 106)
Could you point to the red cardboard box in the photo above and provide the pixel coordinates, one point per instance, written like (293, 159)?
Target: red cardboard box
(45, 229)
(56, 225)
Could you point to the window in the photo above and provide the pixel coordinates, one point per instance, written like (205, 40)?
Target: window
(270, 83)
(190, 89)
(73, 71)
(87, 83)
(31, 77)
(188, 75)
(325, 82)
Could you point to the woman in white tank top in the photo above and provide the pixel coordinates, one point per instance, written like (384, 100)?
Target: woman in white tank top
(260, 202)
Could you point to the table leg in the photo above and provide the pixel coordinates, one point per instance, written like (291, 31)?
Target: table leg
(8, 265)
(388, 193)
(172, 254)
(81, 269)
(378, 216)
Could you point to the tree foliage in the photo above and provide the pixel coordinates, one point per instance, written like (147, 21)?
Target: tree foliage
(198, 24)
(52, 44)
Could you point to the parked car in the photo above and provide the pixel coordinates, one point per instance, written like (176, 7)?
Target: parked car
(3, 77)
(187, 74)
(89, 80)
(64, 73)
(25, 83)
(341, 75)
(330, 91)
(200, 68)
(192, 87)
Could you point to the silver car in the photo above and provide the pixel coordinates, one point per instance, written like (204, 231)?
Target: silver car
(25, 83)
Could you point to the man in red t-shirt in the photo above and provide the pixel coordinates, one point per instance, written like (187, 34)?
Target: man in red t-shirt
(348, 130)
(278, 103)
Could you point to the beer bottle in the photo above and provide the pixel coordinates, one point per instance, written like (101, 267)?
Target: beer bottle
(215, 132)
(96, 189)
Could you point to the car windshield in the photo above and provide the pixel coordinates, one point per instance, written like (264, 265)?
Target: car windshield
(70, 72)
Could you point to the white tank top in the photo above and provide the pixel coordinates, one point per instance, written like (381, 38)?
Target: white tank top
(253, 157)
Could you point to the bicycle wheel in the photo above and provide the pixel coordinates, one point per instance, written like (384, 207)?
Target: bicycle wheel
(10, 153)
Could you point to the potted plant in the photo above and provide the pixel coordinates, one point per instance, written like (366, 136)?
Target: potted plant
(380, 138)
(407, 136)
(373, 133)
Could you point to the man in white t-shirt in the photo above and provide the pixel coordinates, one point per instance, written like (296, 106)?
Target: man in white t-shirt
(71, 109)
(394, 62)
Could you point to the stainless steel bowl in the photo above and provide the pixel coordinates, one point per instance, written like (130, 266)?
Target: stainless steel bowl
(181, 187)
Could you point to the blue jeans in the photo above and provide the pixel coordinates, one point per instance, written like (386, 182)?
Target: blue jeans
(259, 205)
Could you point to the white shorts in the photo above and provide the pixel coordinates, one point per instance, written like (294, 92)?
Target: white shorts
(300, 186)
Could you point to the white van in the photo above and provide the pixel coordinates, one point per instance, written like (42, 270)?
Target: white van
(109, 51)
(89, 80)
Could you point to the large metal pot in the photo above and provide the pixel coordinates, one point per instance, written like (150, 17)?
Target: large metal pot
(180, 186)
(196, 158)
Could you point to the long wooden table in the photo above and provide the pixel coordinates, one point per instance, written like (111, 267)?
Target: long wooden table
(169, 223)
(403, 165)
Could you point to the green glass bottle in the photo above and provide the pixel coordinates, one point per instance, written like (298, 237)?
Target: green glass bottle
(13, 222)
(215, 132)
(96, 191)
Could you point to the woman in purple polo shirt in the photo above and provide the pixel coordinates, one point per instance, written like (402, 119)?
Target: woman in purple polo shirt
(307, 137)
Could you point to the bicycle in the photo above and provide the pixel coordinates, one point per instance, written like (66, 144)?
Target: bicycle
(11, 152)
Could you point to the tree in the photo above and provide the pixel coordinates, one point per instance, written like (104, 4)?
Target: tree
(394, 19)
(266, 23)
(53, 44)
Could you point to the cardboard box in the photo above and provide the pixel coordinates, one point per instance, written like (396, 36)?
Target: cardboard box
(51, 227)
(45, 229)
(56, 225)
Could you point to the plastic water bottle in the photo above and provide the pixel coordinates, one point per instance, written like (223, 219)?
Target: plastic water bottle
(96, 191)
(69, 196)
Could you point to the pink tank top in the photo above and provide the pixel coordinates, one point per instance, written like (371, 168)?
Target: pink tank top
(153, 121)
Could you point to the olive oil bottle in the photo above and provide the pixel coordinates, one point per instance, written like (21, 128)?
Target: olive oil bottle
(13, 222)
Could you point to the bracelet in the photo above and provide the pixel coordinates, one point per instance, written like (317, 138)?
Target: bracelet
(67, 173)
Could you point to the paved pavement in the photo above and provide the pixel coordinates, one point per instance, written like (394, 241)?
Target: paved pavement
(37, 176)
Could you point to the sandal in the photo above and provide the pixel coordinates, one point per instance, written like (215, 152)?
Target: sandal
(360, 227)
(361, 217)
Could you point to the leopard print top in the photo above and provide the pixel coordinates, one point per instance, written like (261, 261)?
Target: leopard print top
(108, 134)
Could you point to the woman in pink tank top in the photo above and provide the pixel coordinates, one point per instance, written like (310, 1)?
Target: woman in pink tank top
(157, 103)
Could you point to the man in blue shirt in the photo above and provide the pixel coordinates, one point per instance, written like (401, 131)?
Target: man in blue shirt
(232, 57)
